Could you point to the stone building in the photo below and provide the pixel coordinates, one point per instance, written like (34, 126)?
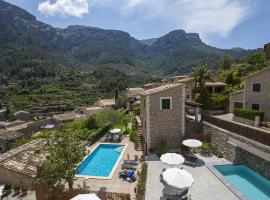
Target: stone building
(163, 116)
(22, 115)
(255, 95)
(20, 164)
(267, 51)
(105, 103)
(7, 138)
(89, 110)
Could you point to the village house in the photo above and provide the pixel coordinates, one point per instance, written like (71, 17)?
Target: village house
(133, 96)
(22, 115)
(68, 117)
(7, 138)
(163, 116)
(255, 95)
(21, 163)
(89, 110)
(105, 103)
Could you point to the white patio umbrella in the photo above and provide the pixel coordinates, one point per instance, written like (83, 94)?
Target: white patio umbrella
(177, 178)
(115, 130)
(172, 159)
(90, 196)
(192, 143)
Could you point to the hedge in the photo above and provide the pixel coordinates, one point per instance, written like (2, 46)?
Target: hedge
(99, 133)
(248, 114)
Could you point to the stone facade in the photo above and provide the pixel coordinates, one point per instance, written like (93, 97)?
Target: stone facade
(263, 97)
(252, 97)
(163, 124)
(236, 101)
(240, 150)
(22, 116)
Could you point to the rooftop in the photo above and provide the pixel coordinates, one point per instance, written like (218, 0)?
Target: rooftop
(10, 135)
(18, 125)
(68, 116)
(215, 84)
(93, 108)
(258, 72)
(107, 101)
(25, 158)
(160, 89)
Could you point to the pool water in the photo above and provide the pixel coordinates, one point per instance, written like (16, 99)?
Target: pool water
(101, 161)
(248, 182)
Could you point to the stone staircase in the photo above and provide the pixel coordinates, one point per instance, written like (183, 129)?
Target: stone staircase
(139, 146)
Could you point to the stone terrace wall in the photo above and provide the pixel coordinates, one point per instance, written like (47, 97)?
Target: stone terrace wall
(221, 139)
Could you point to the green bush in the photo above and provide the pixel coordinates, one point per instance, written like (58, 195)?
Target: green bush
(248, 114)
(99, 133)
(132, 135)
(219, 102)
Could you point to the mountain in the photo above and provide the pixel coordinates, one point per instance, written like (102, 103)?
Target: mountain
(26, 42)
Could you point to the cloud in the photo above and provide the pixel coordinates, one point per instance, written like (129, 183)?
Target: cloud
(74, 8)
(207, 17)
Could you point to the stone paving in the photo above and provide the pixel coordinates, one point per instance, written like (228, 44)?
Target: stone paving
(206, 186)
(115, 184)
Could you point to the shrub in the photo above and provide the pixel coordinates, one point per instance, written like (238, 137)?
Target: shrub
(7, 187)
(91, 122)
(207, 148)
(162, 148)
(141, 185)
(132, 135)
(248, 114)
(99, 133)
(219, 102)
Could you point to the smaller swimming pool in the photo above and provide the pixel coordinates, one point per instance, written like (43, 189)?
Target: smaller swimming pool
(102, 161)
(248, 182)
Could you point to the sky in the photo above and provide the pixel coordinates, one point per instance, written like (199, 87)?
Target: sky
(220, 23)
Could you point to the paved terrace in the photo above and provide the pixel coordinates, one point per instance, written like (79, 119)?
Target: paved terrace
(206, 186)
(115, 184)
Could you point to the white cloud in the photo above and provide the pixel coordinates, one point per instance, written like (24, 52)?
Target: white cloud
(75, 8)
(207, 17)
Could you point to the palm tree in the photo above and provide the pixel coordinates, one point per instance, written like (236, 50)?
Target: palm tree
(201, 74)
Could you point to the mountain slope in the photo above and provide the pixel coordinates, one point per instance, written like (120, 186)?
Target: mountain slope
(24, 42)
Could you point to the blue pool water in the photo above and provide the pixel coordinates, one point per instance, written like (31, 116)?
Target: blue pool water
(101, 161)
(248, 182)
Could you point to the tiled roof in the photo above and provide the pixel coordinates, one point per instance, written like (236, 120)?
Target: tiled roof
(255, 73)
(24, 159)
(68, 116)
(107, 101)
(160, 89)
(10, 135)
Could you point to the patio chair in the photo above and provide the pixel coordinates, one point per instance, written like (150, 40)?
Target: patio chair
(131, 162)
(191, 160)
(129, 167)
(170, 194)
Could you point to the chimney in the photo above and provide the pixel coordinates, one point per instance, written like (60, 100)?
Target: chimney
(267, 51)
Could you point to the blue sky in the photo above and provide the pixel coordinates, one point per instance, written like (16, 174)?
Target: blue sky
(220, 23)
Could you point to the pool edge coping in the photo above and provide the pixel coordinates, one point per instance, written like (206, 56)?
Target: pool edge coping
(114, 167)
(233, 189)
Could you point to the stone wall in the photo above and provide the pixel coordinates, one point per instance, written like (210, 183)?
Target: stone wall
(237, 149)
(168, 124)
(243, 120)
(220, 139)
(13, 177)
(254, 162)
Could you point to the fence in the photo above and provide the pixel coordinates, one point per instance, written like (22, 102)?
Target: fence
(254, 134)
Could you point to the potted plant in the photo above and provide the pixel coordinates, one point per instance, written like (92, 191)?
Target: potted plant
(17, 188)
(7, 188)
(23, 188)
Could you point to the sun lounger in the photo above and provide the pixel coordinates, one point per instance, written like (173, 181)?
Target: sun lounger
(131, 162)
(128, 166)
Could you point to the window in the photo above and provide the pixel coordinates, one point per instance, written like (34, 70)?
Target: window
(166, 103)
(256, 87)
(255, 106)
(187, 96)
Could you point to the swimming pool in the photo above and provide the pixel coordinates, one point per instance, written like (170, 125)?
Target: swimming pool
(102, 161)
(248, 182)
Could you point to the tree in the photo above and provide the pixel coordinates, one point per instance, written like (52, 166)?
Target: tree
(201, 74)
(257, 59)
(225, 62)
(65, 153)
